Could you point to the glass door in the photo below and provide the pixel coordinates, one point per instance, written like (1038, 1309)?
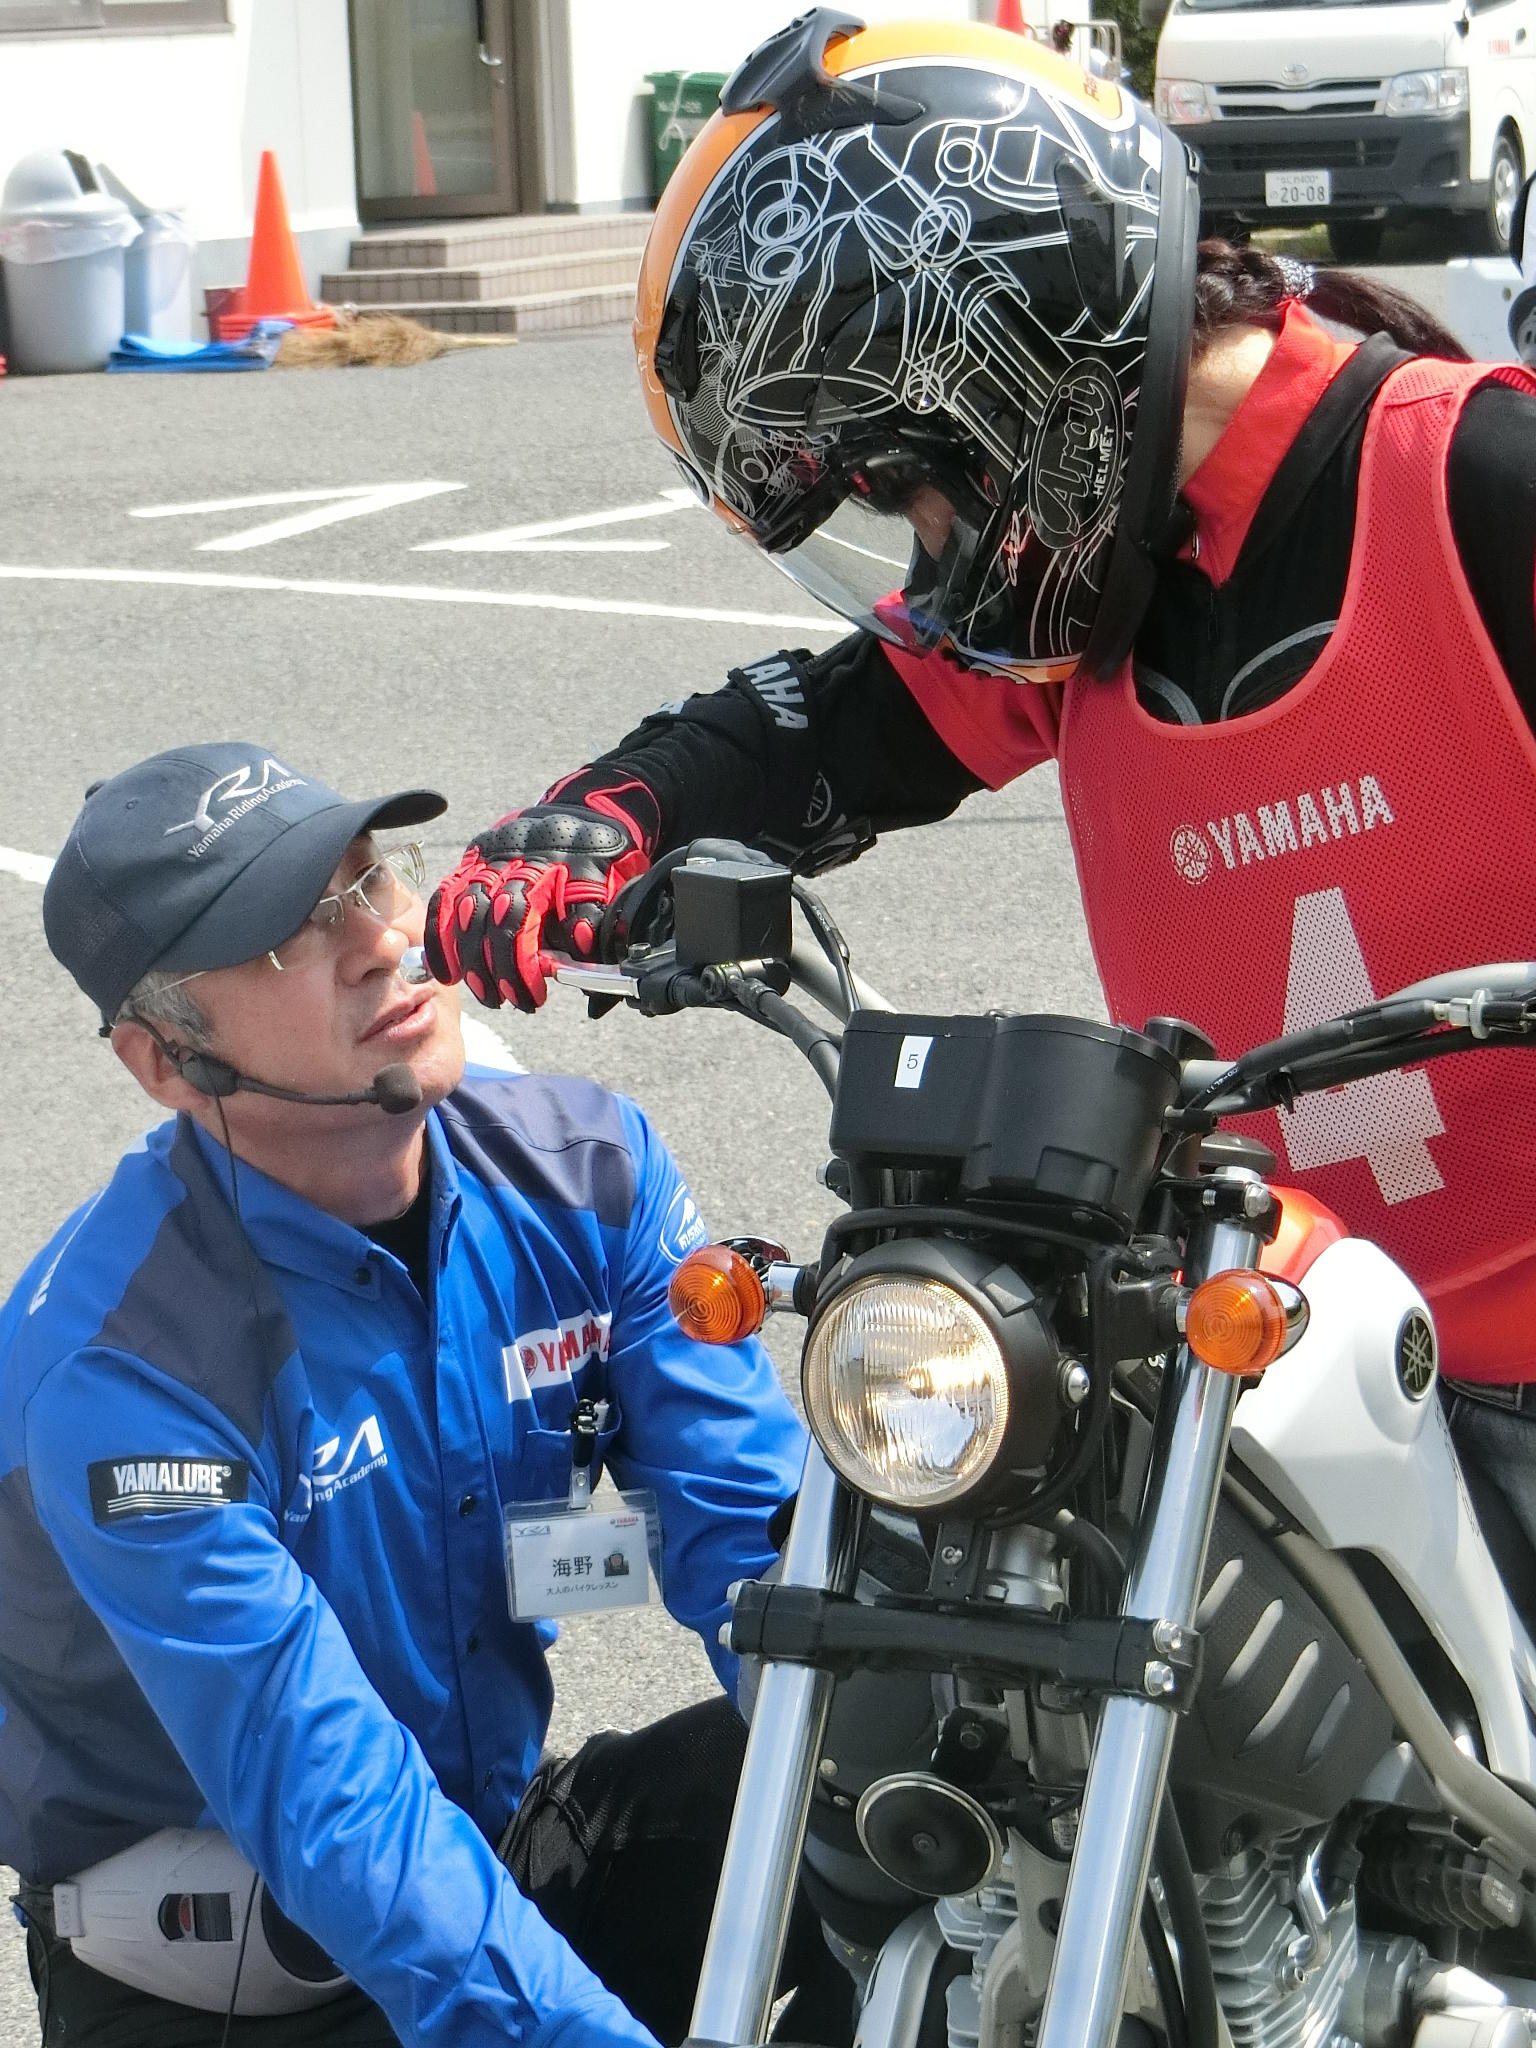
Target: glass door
(433, 109)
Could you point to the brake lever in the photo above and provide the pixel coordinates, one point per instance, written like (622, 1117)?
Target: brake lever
(593, 978)
(648, 979)
(641, 909)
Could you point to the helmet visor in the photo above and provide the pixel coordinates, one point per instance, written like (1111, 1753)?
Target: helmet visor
(943, 567)
(901, 574)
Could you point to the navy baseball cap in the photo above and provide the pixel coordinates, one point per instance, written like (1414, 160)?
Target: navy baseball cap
(200, 858)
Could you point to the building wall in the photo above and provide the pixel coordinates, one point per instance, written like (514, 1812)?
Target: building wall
(598, 146)
(183, 119)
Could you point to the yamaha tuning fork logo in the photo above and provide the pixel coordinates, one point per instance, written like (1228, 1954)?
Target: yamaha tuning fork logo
(1415, 1357)
(1191, 853)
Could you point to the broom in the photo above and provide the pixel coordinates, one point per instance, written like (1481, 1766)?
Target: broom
(378, 340)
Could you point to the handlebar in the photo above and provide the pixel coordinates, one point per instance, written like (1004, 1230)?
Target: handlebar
(733, 893)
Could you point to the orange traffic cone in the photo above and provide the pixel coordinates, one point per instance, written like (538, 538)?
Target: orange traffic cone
(274, 284)
(1010, 15)
(423, 171)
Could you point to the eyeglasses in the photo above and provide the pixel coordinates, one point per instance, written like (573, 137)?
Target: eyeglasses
(383, 890)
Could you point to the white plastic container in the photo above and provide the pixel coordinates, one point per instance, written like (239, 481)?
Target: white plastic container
(61, 243)
(157, 268)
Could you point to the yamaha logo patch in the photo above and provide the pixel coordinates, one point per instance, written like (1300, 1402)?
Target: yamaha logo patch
(1416, 1354)
(156, 1486)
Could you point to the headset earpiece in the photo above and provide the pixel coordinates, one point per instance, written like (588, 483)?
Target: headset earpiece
(209, 1076)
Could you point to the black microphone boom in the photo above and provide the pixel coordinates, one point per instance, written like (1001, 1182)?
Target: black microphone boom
(394, 1088)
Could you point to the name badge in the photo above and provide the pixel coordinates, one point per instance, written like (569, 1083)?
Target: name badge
(564, 1560)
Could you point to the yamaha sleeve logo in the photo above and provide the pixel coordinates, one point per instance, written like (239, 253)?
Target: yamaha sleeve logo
(157, 1486)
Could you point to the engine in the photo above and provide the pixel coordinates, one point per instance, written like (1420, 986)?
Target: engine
(1290, 1970)
(1281, 1960)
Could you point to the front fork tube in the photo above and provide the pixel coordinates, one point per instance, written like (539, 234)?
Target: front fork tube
(1127, 1772)
(789, 1722)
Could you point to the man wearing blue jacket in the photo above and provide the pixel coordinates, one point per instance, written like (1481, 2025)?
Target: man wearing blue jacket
(276, 1407)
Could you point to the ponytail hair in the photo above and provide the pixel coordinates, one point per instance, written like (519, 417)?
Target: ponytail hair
(1244, 287)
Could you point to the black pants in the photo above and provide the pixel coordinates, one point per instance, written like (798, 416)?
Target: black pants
(619, 1848)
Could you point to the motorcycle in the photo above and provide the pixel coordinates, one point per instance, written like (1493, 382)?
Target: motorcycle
(1107, 1693)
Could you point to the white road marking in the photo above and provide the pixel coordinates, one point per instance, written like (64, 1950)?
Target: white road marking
(423, 593)
(30, 866)
(484, 1046)
(539, 538)
(572, 547)
(343, 501)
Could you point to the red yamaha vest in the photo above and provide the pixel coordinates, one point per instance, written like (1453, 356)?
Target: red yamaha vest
(1375, 825)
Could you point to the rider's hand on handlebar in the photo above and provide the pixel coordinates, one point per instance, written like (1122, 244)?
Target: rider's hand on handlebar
(535, 885)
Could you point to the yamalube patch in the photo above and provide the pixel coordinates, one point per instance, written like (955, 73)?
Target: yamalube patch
(121, 1487)
(682, 1228)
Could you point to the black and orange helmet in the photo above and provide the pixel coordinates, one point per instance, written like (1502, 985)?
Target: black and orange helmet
(914, 317)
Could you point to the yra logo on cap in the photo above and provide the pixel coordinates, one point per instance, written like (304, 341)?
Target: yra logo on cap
(235, 794)
(201, 858)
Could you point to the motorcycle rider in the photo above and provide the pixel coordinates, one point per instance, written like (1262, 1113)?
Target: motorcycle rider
(266, 1404)
(923, 316)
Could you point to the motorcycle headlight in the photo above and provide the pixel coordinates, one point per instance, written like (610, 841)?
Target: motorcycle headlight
(906, 1390)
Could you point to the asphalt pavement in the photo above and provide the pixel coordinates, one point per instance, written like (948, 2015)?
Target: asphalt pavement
(378, 651)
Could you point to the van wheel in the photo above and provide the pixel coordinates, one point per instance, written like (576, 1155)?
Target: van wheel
(1506, 174)
(1522, 327)
(1355, 241)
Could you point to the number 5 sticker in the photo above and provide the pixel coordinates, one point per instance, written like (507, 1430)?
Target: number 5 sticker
(1386, 1119)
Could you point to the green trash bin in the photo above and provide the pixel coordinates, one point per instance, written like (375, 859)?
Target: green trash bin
(681, 102)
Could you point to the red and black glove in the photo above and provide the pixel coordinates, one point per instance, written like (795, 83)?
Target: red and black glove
(537, 884)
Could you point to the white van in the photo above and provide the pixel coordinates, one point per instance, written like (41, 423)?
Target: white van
(1347, 111)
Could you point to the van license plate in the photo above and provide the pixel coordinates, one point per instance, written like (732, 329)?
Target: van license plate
(1298, 188)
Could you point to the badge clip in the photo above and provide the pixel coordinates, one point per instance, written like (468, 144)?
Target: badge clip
(585, 1424)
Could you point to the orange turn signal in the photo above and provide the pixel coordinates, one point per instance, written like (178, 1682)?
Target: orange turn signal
(716, 1296)
(1236, 1322)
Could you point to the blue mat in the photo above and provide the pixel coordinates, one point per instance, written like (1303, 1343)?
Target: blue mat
(255, 352)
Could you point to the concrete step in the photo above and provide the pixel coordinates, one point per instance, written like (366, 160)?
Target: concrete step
(570, 270)
(534, 313)
(458, 245)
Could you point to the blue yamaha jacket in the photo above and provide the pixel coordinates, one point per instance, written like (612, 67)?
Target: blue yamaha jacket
(251, 1556)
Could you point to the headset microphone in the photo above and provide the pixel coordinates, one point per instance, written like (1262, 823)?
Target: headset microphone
(395, 1089)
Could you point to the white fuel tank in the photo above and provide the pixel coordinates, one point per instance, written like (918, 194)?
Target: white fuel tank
(1348, 1434)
